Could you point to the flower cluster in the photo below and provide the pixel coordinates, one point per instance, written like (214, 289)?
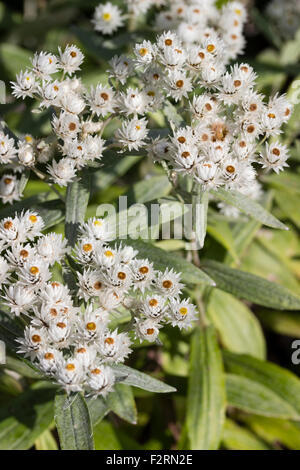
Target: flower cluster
(108, 18)
(76, 141)
(228, 130)
(196, 20)
(68, 336)
(285, 16)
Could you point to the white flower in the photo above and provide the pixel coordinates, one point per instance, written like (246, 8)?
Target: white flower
(9, 190)
(25, 85)
(132, 134)
(51, 248)
(26, 154)
(60, 332)
(12, 231)
(33, 223)
(69, 375)
(72, 103)
(182, 314)
(154, 306)
(207, 173)
(168, 283)
(275, 156)
(49, 360)
(178, 84)
(107, 18)
(4, 268)
(44, 64)
(133, 102)
(143, 274)
(66, 125)
(7, 148)
(92, 324)
(96, 229)
(121, 68)
(85, 354)
(62, 172)
(34, 273)
(145, 53)
(50, 93)
(34, 340)
(100, 380)
(101, 100)
(114, 347)
(70, 59)
(146, 330)
(90, 284)
(19, 254)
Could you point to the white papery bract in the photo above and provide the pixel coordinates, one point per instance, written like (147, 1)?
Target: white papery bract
(68, 334)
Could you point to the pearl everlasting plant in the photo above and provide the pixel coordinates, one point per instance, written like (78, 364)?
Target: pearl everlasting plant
(68, 334)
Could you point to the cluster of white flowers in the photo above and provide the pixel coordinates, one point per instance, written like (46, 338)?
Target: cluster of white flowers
(230, 129)
(196, 20)
(52, 82)
(108, 18)
(68, 335)
(285, 17)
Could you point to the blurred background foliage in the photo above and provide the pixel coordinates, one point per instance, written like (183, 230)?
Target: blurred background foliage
(263, 400)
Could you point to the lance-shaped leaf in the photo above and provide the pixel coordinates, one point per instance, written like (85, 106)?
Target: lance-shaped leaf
(277, 380)
(248, 206)
(121, 402)
(26, 418)
(206, 391)
(77, 199)
(162, 259)
(253, 397)
(250, 287)
(73, 422)
(133, 377)
(236, 437)
(237, 326)
(274, 430)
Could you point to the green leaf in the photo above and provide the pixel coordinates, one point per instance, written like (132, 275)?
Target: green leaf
(46, 441)
(98, 409)
(22, 367)
(114, 166)
(106, 437)
(289, 205)
(121, 402)
(200, 203)
(149, 189)
(25, 419)
(284, 323)
(220, 230)
(133, 377)
(162, 259)
(14, 58)
(73, 422)
(285, 180)
(206, 391)
(77, 199)
(279, 381)
(238, 328)
(274, 431)
(142, 221)
(250, 287)
(236, 437)
(248, 206)
(244, 233)
(265, 27)
(253, 397)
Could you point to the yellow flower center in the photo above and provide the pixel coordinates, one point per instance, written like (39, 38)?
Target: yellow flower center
(183, 311)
